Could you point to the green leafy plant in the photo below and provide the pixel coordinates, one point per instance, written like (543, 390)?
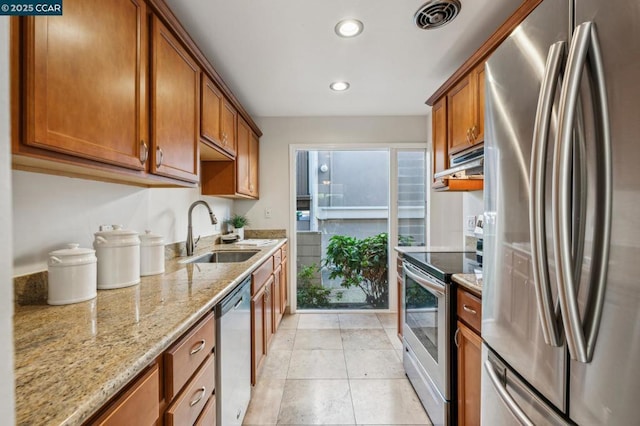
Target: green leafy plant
(310, 294)
(361, 263)
(237, 221)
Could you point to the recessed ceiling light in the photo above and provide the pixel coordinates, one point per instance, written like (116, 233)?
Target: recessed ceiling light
(349, 28)
(339, 86)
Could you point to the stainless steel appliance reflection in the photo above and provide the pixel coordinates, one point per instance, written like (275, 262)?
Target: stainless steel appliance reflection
(426, 331)
(561, 236)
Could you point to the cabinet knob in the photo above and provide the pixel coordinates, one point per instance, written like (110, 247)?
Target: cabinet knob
(144, 152)
(159, 156)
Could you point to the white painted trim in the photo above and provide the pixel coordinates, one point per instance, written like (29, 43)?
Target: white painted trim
(392, 228)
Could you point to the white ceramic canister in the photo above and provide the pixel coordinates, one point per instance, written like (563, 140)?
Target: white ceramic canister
(151, 254)
(118, 252)
(71, 275)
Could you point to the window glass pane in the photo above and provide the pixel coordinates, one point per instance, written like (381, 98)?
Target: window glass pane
(411, 198)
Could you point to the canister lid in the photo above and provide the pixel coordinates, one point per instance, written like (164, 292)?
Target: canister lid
(115, 236)
(149, 239)
(73, 254)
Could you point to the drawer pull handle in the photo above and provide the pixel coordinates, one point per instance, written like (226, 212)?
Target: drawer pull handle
(468, 309)
(203, 392)
(199, 348)
(455, 338)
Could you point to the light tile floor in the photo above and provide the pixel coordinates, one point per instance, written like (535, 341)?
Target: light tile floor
(335, 369)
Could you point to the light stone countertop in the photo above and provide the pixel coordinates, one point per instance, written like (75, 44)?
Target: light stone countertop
(472, 282)
(70, 360)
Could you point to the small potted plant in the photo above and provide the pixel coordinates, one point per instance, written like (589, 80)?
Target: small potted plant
(236, 224)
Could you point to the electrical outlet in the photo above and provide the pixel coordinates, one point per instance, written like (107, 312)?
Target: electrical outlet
(267, 213)
(471, 223)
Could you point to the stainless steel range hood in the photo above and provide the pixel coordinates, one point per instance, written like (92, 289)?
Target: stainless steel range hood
(465, 165)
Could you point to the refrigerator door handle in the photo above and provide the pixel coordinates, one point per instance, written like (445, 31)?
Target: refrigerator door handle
(581, 339)
(511, 404)
(537, 174)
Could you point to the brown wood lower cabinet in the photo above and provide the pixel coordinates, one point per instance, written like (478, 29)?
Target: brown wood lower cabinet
(138, 405)
(269, 296)
(469, 343)
(469, 372)
(187, 407)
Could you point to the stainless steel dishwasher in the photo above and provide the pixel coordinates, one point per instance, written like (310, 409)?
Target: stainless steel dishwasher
(233, 351)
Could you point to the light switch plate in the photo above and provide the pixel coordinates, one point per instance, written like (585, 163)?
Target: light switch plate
(267, 213)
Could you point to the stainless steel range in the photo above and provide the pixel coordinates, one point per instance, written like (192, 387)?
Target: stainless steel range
(428, 324)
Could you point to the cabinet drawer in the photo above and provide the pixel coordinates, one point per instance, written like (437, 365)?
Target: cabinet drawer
(184, 357)
(139, 405)
(189, 404)
(208, 415)
(261, 275)
(277, 258)
(469, 309)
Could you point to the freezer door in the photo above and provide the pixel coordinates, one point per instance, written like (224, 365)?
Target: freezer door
(507, 400)
(605, 390)
(511, 324)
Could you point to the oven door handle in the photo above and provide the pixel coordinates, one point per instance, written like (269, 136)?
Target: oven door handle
(421, 279)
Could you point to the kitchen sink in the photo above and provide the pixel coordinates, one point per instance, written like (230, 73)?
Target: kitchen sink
(225, 256)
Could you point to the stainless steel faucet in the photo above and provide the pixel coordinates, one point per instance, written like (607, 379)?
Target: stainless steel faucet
(191, 245)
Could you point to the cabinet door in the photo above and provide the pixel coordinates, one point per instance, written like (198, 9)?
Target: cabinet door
(269, 313)
(254, 157)
(461, 115)
(86, 91)
(439, 135)
(469, 373)
(277, 297)
(284, 297)
(211, 110)
(175, 107)
(229, 124)
(243, 160)
(478, 76)
(258, 349)
(138, 405)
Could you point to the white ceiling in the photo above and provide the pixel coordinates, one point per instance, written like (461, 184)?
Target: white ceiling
(279, 56)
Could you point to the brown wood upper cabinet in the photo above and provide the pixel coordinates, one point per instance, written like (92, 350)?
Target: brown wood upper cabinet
(439, 135)
(465, 111)
(85, 86)
(238, 179)
(247, 160)
(175, 106)
(218, 120)
(112, 91)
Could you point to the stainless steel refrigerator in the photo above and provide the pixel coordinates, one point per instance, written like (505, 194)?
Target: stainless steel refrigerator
(561, 297)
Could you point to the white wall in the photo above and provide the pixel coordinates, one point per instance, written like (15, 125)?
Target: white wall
(445, 212)
(50, 211)
(7, 404)
(472, 205)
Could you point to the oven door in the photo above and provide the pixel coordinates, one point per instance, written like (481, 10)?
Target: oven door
(426, 324)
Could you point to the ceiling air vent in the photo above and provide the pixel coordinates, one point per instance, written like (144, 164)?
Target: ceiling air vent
(436, 13)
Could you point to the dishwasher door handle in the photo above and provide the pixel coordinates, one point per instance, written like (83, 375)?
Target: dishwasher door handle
(238, 303)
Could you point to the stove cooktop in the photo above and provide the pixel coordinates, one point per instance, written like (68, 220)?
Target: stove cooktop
(444, 264)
